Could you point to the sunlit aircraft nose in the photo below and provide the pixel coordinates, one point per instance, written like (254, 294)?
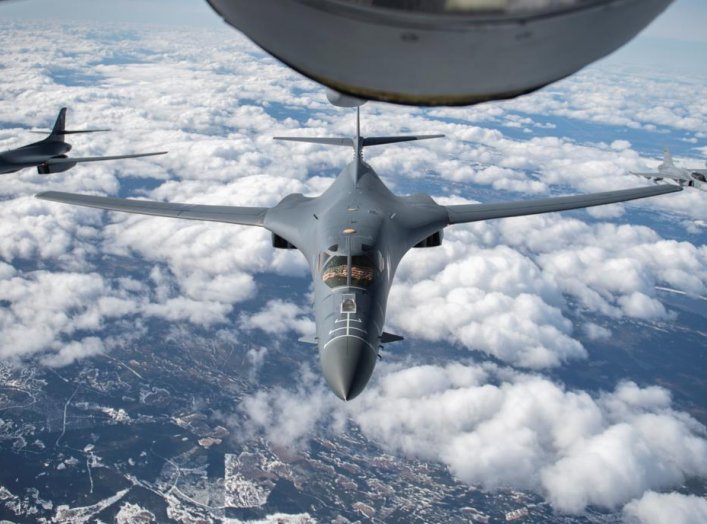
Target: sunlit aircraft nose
(347, 364)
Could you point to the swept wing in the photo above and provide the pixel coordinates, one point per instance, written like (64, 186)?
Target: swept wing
(248, 216)
(76, 160)
(459, 214)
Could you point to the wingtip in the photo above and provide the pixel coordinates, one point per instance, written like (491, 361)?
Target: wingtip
(44, 195)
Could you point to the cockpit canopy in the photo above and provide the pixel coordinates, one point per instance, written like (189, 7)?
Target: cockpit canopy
(354, 271)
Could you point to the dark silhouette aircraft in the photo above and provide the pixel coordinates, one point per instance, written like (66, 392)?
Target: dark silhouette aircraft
(353, 237)
(50, 155)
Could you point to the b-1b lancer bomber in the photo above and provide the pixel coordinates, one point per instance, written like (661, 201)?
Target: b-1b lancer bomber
(353, 236)
(50, 155)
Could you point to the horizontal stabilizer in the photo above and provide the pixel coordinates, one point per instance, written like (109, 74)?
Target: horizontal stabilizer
(380, 140)
(365, 141)
(387, 338)
(311, 339)
(62, 133)
(317, 140)
(79, 131)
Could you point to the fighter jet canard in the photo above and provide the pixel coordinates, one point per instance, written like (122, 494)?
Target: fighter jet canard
(50, 155)
(353, 236)
(684, 177)
(438, 52)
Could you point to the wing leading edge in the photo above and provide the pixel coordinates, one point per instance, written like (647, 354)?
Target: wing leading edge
(460, 214)
(247, 216)
(77, 160)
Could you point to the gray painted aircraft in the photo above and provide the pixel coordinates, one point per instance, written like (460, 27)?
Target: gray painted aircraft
(50, 155)
(438, 52)
(696, 178)
(353, 236)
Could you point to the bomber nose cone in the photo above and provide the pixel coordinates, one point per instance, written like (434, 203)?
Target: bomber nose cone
(347, 364)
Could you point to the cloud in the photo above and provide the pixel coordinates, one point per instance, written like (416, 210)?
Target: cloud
(502, 286)
(486, 299)
(532, 433)
(42, 310)
(282, 415)
(78, 349)
(661, 508)
(278, 317)
(494, 427)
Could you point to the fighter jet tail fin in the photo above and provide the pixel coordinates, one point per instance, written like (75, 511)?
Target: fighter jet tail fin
(667, 158)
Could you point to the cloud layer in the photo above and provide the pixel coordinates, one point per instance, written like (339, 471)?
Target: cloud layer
(495, 427)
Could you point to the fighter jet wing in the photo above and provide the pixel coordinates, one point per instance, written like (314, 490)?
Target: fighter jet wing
(76, 160)
(248, 216)
(655, 176)
(459, 214)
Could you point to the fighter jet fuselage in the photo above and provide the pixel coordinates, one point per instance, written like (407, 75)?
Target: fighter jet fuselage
(696, 178)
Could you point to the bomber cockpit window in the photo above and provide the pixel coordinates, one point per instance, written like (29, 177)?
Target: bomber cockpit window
(362, 272)
(336, 270)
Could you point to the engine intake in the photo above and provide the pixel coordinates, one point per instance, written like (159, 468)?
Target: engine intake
(48, 169)
(434, 240)
(280, 243)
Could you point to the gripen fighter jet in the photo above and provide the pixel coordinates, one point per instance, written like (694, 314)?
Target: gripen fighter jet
(354, 236)
(696, 178)
(438, 52)
(50, 155)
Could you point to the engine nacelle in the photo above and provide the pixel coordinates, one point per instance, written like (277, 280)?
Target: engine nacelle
(434, 240)
(280, 243)
(48, 169)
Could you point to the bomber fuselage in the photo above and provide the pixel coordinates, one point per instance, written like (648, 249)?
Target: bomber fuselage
(32, 155)
(353, 236)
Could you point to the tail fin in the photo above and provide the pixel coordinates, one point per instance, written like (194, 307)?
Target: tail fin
(667, 157)
(358, 142)
(59, 130)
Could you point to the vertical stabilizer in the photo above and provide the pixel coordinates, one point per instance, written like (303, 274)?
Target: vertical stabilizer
(358, 140)
(58, 131)
(667, 158)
